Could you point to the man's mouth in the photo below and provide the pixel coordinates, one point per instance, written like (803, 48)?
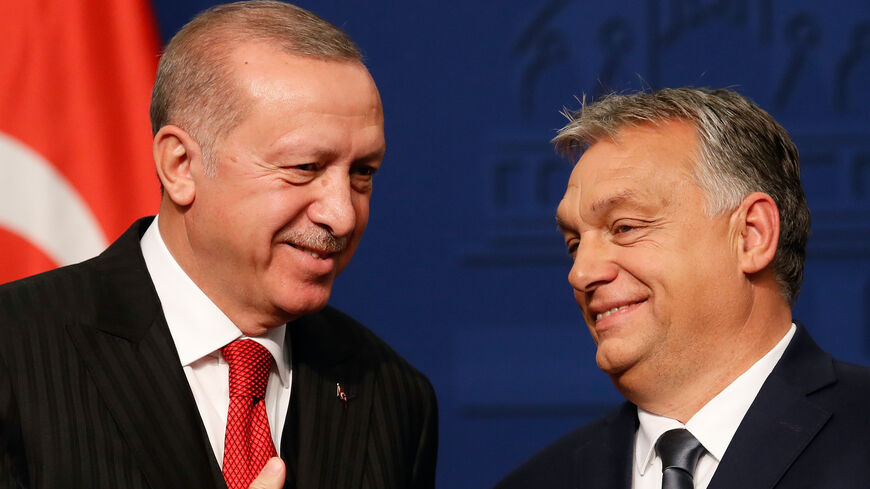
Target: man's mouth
(613, 310)
(320, 255)
(320, 245)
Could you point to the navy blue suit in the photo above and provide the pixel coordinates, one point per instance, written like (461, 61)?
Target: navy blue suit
(807, 428)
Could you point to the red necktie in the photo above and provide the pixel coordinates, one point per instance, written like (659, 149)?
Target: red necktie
(248, 443)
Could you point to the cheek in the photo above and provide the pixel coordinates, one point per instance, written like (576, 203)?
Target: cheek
(592, 332)
(361, 209)
(695, 294)
(650, 266)
(274, 208)
(580, 298)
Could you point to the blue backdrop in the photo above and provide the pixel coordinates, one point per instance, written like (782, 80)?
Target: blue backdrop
(462, 269)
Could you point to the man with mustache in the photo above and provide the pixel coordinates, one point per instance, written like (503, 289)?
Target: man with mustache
(200, 345)
(687, 225)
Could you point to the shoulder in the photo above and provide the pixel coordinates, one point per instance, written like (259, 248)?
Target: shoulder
(56, 294)
(34, 314)
(853, 373)
(831, 383)
(851, 391)
(837, 394)
(559, 464)
(72, 292)
(833, 431)
(331, 337)
(847, 400)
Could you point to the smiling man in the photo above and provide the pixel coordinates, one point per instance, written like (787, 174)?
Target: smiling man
(200, 344)
(687, 225)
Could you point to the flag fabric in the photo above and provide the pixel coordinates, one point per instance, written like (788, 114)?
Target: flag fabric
(75, 141)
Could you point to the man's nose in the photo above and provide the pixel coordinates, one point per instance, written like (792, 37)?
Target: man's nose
(593, 265)
(333, 207)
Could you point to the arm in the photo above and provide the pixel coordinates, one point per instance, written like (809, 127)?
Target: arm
(427, 448)
(13, 463)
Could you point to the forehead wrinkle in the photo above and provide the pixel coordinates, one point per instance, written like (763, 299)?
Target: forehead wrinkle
(299, 140)
(297, 145)
(605, 204)
(640, 195)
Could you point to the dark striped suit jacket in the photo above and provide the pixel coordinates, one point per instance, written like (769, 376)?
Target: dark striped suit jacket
(92, 394)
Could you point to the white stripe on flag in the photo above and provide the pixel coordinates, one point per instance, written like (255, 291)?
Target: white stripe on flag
(38, 204)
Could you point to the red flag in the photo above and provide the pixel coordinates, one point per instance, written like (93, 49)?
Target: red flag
(75, 145)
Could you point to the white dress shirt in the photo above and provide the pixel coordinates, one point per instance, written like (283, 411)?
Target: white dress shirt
(199, 330)
(713, 425)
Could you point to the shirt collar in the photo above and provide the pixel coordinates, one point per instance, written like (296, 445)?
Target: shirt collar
(198, 327)
(651, 428)
(714, 424)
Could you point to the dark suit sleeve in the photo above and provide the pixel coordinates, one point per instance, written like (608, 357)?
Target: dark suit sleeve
(13, 465)
(403, 441)
(427, 448)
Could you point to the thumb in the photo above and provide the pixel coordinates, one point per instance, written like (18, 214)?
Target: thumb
(271, 477)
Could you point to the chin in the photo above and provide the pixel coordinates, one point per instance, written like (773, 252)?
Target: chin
(303, 303)
(613, 363)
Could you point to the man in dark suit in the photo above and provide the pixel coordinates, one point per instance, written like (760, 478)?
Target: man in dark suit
(687, 224)
(118, 372)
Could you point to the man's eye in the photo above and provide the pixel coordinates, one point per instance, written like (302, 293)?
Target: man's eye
(622, 228)
(365, 171)
(306, 167)
(572, 247)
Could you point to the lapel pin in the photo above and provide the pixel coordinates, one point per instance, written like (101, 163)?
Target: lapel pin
(339, 393)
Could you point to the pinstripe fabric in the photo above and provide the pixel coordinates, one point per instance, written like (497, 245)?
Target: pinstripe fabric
(92, 394)
(384, 437)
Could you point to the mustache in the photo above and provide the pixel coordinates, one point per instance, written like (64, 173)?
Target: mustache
(316, 239)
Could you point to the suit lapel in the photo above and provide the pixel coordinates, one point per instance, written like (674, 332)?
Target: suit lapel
(331, 434)
(781, 421)
(608, 465)
(129, 352)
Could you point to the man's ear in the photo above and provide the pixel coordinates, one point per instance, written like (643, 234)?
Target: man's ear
(757, 221)
(175, 151)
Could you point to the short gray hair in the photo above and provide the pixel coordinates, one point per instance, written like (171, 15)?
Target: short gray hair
(742, 149)
(194, 88)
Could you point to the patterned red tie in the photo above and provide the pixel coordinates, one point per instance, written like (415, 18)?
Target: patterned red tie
(248, 443)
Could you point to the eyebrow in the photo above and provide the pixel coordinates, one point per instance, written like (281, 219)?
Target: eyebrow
(376, 155)
(604, 205)
(562, 225)
(328, 153)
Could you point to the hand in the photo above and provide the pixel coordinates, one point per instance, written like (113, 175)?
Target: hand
(271, 477)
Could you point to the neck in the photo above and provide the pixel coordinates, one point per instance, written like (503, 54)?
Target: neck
(688, 383)
(173, 232)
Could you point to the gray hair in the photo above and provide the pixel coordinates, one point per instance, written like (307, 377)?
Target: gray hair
(742, 149)
(195, 89)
